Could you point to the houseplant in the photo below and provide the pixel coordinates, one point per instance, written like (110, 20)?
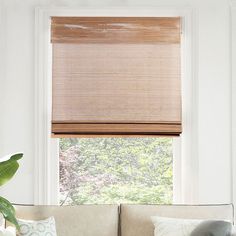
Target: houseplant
(8, 167)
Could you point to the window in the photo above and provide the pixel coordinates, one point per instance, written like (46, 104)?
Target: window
(116, 76)
(185, 176)
(116, 170)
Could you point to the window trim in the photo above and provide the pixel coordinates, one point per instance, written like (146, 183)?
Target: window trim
(233, 103)
(46, 180)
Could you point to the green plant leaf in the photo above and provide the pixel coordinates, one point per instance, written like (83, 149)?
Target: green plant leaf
(8, 168)
(16, 156)
(8, 211)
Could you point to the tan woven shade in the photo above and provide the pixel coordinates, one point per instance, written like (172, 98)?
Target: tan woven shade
(116, 76)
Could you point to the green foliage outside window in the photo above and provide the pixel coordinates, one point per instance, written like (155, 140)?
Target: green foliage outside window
(116, 170)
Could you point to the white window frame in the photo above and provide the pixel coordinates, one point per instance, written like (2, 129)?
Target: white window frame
(46, 171)
(233, 104)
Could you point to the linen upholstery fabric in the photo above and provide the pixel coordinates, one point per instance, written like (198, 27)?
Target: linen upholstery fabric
(45, 227)
(174, 226)
(83, 220)
(213, 228)
(102, 220)
(136, 219)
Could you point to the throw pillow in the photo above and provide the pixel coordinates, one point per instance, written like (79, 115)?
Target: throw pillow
(9, 231)
(45, 227)
(174, 226)
(213, 228)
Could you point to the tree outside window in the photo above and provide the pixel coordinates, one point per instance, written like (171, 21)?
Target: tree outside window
(116, 170)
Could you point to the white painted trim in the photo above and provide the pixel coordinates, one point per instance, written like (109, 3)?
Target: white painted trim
(189, 139)
(177, 170)
(187, 166)
(233, 102)
(46, 162)
(46, 156)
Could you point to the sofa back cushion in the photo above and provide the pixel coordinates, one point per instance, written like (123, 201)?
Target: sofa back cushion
(83, 220)
(135, 220)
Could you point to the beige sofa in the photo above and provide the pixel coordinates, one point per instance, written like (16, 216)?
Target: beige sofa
(114, 220)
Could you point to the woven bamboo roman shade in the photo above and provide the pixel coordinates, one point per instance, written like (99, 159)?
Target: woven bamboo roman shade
(116, 76)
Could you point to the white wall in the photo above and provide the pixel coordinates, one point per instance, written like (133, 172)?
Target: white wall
(233, 23)
(213, 75)
(214, 104)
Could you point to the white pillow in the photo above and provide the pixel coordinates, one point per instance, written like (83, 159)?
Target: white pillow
(173, 226)
(9, 231)
(45, 227)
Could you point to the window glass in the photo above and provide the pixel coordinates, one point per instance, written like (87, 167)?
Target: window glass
(116, 170)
